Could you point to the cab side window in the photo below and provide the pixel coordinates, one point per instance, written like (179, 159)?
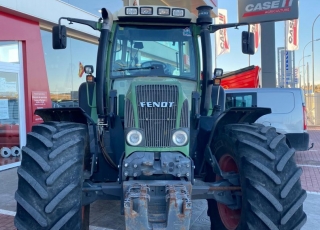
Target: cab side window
(241, 100)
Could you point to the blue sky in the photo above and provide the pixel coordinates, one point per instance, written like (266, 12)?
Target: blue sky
(308, 11)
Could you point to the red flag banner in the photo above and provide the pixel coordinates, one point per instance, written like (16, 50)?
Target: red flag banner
(222, 41)
(292, 34)
(255, 29)
(81, 70)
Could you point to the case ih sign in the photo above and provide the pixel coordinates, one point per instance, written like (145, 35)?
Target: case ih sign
(253, 11)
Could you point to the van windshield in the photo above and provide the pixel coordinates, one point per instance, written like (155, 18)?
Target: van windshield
(153, 51)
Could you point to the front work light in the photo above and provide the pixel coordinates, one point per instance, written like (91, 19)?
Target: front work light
(134, 137)
(88, 69)
(131, 10)
(146, 11)
(178, 12)
(163, 11)
(180, 138)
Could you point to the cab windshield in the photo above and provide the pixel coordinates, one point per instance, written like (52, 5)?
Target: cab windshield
(153, 51)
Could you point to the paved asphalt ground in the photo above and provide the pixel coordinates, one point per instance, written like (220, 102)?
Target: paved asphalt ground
(105, 214)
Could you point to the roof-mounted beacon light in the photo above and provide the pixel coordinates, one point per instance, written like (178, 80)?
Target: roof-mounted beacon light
(146, 10)
(163, 11)
(131, 10)
(204, 15)
(176, 12)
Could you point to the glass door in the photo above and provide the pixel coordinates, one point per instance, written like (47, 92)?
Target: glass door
(12, 115)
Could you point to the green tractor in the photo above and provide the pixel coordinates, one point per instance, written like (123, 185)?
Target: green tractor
(150, 132)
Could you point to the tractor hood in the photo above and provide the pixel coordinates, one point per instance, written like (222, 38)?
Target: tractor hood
(157, 107)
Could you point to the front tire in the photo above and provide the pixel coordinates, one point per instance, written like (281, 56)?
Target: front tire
(272, 196)
(51, 176)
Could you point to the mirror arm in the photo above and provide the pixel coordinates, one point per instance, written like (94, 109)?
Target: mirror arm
(214, 28)
(94, 25)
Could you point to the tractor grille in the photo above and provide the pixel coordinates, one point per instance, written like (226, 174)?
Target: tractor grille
(184, 120)
(128, 116)
(157, 122)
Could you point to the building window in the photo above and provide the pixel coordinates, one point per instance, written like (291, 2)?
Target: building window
(9, 51)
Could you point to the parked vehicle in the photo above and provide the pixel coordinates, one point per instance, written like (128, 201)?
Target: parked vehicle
(288, 111)
(143, 136)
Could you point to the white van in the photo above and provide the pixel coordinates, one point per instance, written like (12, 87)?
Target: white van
(288, 110)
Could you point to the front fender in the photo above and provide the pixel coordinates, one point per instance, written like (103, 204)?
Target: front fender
(237, 115)
(76, 114)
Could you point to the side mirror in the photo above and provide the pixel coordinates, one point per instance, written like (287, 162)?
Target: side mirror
(138, 45)
(218, 72)
(247, 43)
(59, 37)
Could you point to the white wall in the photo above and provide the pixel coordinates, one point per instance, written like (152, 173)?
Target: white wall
(48, 13)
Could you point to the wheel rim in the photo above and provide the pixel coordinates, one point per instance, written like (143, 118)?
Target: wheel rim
(230, 218)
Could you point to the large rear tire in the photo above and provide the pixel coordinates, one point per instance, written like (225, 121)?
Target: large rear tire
(51, 176)
(272, 197)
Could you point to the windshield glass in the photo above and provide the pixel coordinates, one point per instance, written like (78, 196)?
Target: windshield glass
(153, 51)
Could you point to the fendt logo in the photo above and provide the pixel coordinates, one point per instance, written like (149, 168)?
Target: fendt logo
(156, 104)
(268, 7)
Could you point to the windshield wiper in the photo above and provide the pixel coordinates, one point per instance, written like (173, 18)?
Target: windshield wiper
(137, 68)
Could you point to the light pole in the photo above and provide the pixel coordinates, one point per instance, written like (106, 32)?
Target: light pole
(313, 54)
(303, 53)
(303, 70)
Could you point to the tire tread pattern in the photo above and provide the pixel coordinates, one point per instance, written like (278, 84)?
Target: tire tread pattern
(266, 152)
(42, 139)
(64, 219)
(272, 197)
(33, 183)
(297, 204)
(62, 148)
(50, 177)
(57, 173)
(31, 210)
(284, 159)
(56, 200)
(265, 219)
(37, 158)
(264, 169)
(268, 195)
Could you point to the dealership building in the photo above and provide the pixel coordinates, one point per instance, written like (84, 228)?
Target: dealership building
(32, 74)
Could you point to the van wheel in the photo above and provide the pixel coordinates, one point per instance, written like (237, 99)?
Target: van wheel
(271, 193)
(50, 177)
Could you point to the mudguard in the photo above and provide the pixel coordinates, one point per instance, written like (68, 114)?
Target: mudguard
(237, 115)
(76, 114)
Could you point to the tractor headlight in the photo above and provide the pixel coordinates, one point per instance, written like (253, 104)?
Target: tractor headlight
(180, 138)
(131, 10)
(134, 137)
